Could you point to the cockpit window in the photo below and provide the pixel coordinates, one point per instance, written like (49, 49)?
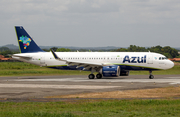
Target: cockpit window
(162, 58)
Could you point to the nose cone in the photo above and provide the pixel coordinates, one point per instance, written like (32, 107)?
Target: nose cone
(170, 64)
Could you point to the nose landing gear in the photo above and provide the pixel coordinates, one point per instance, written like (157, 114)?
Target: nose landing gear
(151, 76)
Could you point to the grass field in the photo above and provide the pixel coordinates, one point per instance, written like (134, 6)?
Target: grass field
(89, 108)
(22, 69)
(165, 92)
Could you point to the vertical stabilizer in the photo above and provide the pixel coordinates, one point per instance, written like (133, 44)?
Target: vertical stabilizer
(26, 43)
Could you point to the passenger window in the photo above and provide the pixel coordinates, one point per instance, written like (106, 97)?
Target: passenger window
(159, 58)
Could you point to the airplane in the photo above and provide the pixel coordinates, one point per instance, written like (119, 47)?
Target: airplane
(106, 64)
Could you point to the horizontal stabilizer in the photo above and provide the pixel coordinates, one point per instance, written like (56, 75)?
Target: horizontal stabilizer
(21, 56)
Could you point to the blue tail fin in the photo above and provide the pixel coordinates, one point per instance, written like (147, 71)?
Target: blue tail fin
(26, 43)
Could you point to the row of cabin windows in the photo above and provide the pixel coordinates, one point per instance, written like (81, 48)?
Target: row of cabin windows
(88, 58)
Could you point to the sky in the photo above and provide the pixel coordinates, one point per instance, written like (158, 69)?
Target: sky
(92, 23)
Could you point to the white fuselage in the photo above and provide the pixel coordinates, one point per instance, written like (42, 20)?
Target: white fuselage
(148, 60)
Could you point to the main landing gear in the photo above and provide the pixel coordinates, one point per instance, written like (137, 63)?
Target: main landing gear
(99, 76)
(150, 75)
(92, 76)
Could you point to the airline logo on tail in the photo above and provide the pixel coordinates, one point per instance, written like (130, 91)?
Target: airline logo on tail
(25, 40)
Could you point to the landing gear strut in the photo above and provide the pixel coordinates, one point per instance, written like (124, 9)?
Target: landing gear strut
(151, 76)
(92, 76)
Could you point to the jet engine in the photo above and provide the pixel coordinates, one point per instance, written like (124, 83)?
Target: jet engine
(110, 71)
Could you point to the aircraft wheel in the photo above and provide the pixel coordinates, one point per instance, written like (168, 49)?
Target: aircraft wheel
(99, 76)
(91, 76)
(151, 77)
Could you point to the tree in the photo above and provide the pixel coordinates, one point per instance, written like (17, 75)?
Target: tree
(4, 49)
(7, 53)
(46, 50)
(63, 50)
(54, 48)
(167, 50)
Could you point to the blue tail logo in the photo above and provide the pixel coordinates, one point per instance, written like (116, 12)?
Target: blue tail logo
(26, 43)
(25, 40)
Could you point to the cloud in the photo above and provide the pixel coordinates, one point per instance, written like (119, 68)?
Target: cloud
(93, 6)
(149, 11)
(125, 11)
(88, 20)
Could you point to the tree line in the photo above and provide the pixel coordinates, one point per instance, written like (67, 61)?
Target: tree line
(5, 51)
(167, 50)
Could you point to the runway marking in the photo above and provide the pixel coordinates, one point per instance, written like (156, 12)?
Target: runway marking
(175, 83)
(171, 80)
(173, 77)
(56, 86)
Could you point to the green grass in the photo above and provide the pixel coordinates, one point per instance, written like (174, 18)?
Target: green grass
(23, 69)
(89, 108)
(173, 71)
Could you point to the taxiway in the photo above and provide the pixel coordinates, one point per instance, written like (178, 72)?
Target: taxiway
(43, 86)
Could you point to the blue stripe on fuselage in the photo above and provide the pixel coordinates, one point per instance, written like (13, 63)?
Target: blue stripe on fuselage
(123, 67)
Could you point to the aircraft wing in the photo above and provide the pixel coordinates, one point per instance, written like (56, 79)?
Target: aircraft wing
(86, 65)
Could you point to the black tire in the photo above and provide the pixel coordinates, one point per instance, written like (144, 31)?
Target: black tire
(151, 77)
(91, 76)
(99, 76)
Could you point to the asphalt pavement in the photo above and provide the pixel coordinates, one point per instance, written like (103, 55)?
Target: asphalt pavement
(34, 87)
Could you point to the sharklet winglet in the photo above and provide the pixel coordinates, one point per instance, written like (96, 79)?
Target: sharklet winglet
(55, 55)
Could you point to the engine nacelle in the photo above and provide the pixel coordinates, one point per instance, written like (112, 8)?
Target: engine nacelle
(110, 71)
(124, 73)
